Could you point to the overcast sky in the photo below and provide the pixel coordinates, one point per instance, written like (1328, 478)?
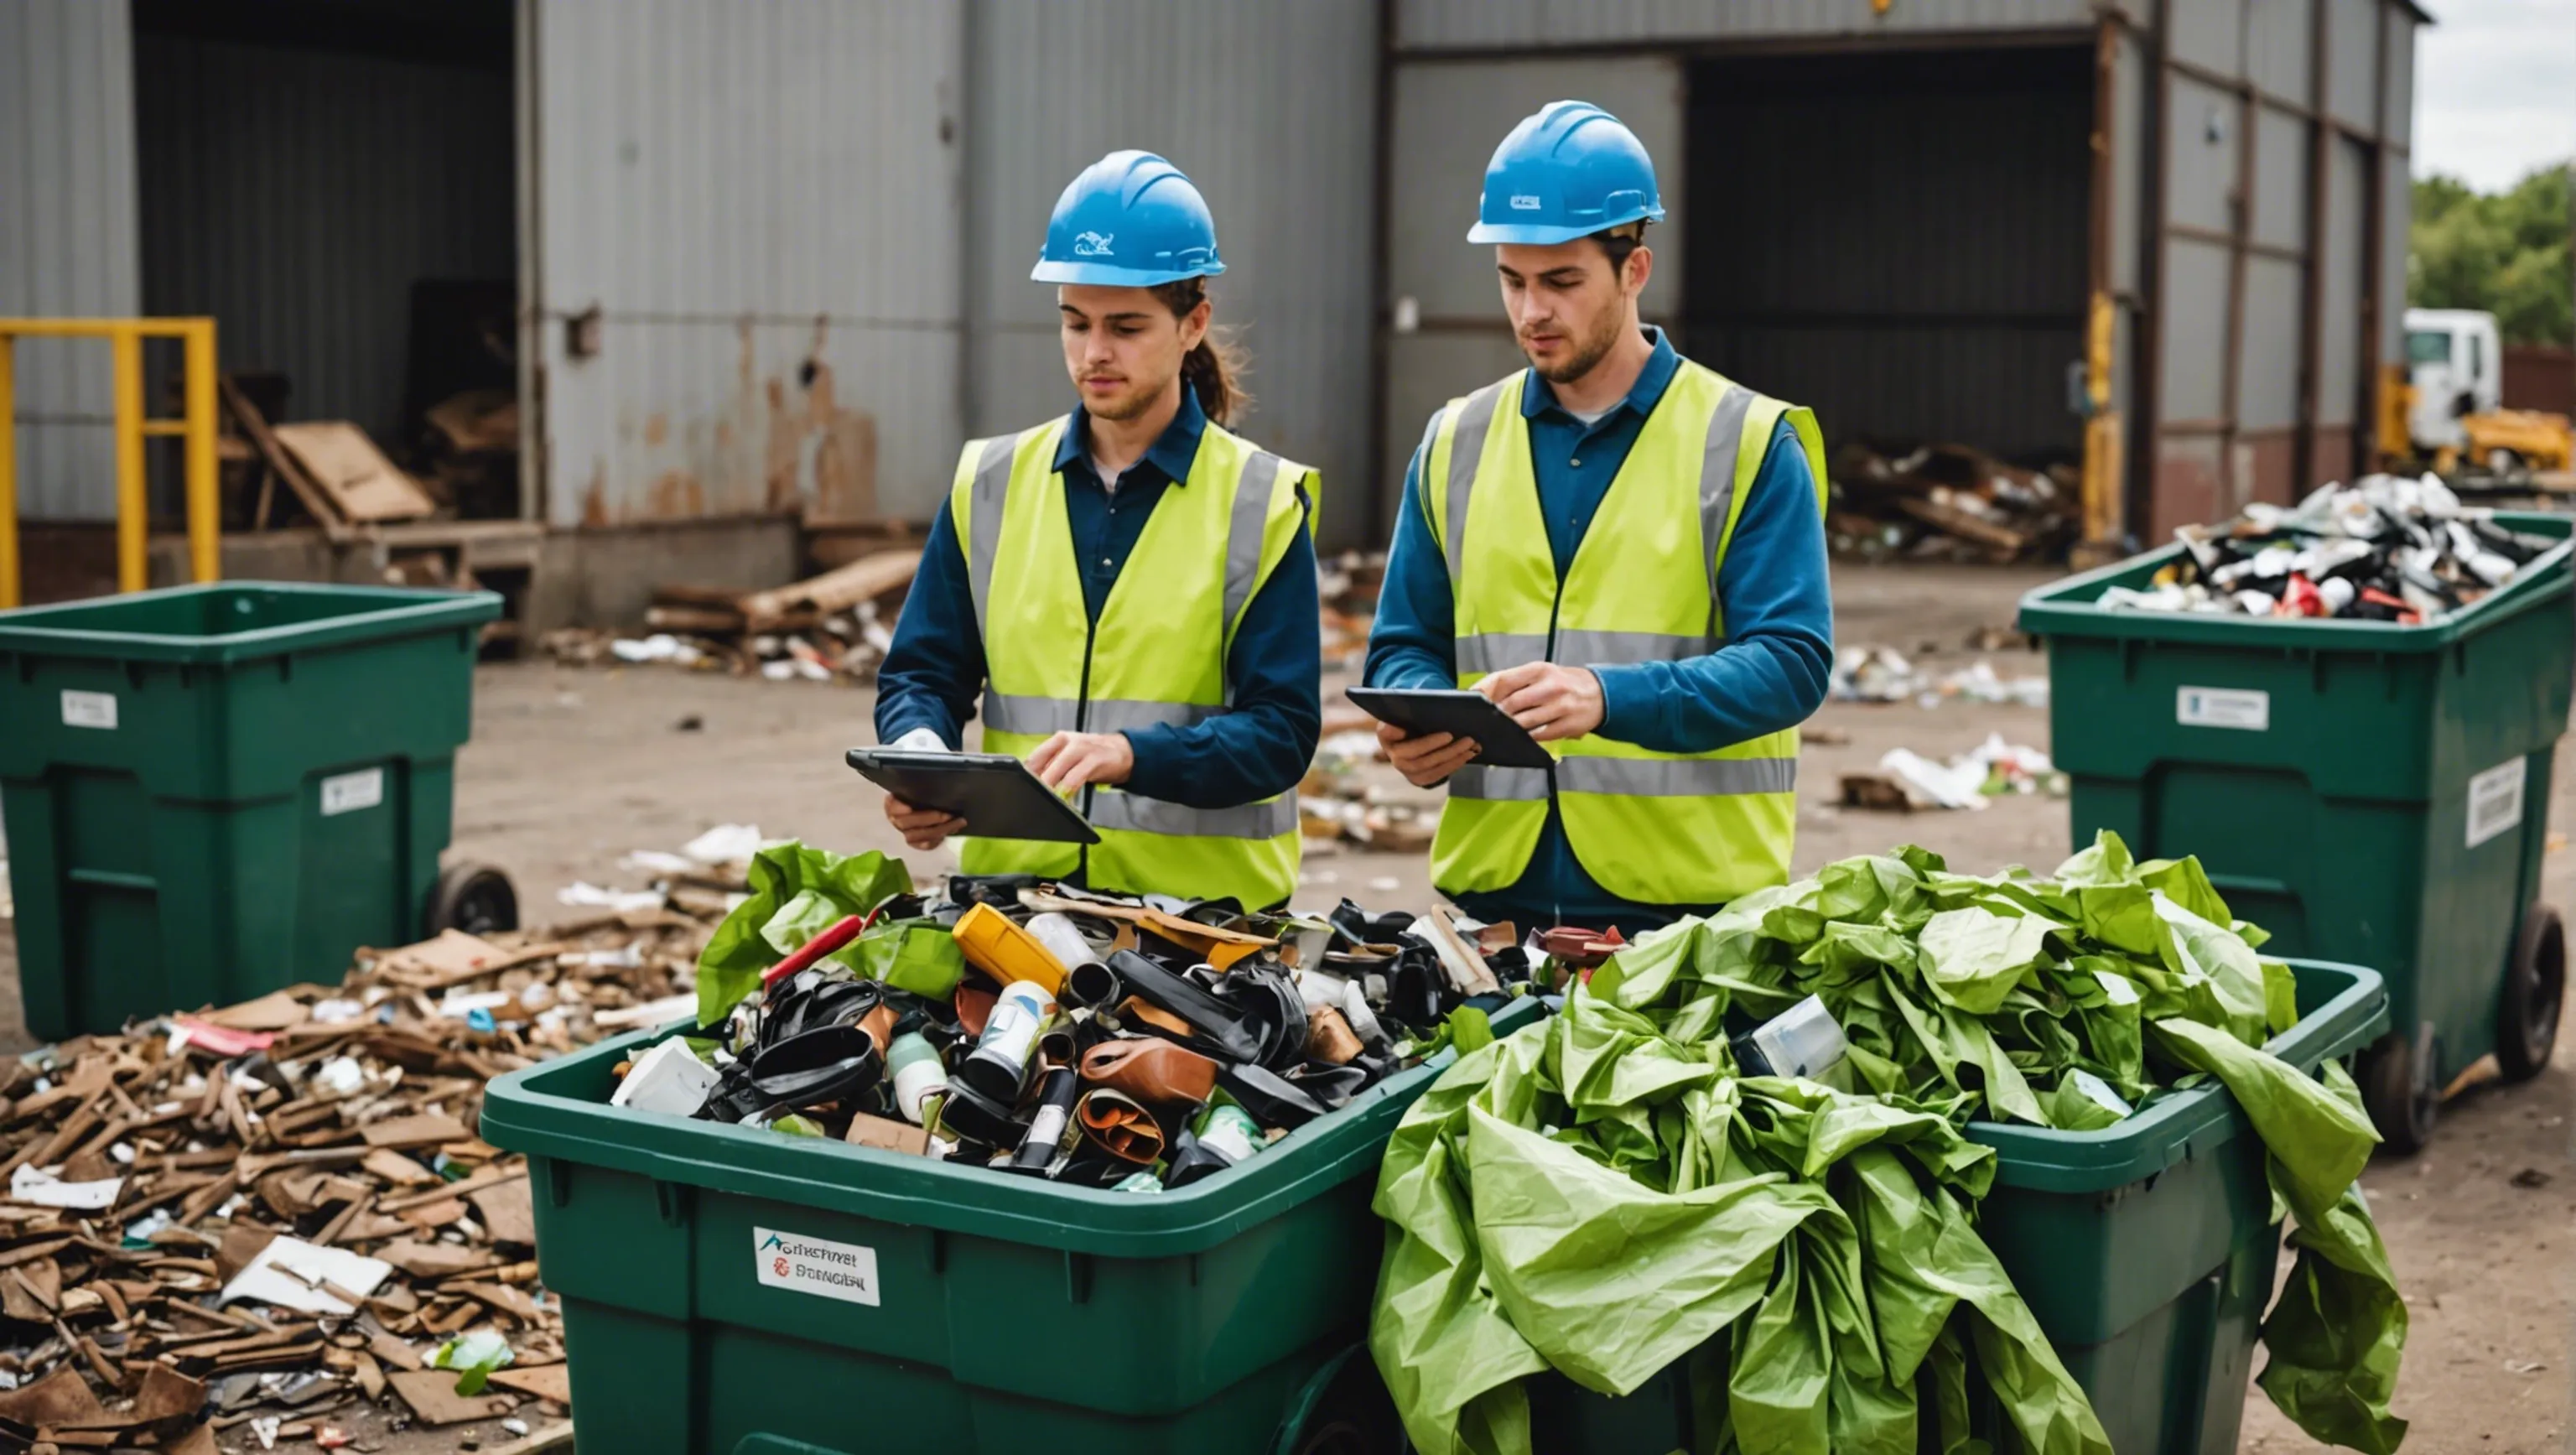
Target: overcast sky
(2495, 89)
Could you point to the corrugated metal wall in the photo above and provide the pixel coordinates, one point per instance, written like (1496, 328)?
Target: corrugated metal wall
(296, 195)
(67, 237)
(763, 202)
(1898, 241)
(1268, 109)
(1526, 24)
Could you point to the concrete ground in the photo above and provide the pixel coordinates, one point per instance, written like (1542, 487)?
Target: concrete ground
(569, 769)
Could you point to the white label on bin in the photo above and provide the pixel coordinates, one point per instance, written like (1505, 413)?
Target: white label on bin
(2223, 707)
(2495, 801)
(844, 1271)
(89, 709)
(349, 792)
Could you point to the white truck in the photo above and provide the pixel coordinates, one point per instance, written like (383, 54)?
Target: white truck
(2454, 410)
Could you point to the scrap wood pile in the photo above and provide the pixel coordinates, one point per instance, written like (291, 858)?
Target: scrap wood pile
(1031, 1028)
(2385, 549)
(333, 473)
(1949, 503)
(263, 1214)
(1791, 1216)
(835, 627)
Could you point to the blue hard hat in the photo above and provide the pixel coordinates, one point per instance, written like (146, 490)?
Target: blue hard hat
(1130, 220)
(1567, 171)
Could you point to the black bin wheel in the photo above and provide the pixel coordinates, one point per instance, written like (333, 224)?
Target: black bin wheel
(2396, 1078)
(2535, 985)
(475, 898)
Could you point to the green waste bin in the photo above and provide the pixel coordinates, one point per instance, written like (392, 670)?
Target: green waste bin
(2367, 792)
(214, 791)
(730, 1289)
(2146, 1251)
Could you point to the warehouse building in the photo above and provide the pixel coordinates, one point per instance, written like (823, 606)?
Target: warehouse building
(746, 267)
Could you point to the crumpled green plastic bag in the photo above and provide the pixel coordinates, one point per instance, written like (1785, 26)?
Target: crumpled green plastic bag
(796, 894)
(1593, 1197)
(1622, 1125)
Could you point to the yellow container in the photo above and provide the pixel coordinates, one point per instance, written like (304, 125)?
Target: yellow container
(1006, 951)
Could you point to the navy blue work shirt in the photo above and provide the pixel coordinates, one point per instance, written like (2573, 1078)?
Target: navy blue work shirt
(934, 673)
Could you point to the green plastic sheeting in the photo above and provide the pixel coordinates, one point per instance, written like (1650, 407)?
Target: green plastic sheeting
(796, 894)
(1607, 1196)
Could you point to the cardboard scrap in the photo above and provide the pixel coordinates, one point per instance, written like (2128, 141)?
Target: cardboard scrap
(424, 1129)
(545, 1381)
(432, 1395)
(507, 1212)
(292, 1273)
(60, 1398)
(278, 1010)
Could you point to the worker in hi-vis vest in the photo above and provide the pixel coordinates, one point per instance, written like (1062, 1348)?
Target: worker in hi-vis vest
(1626, 553)
(1127, 593)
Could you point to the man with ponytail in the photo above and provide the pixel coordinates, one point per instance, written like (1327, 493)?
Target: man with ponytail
(1126, 595)
(1626, 552)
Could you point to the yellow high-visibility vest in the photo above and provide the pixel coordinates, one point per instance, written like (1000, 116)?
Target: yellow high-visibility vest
(1156, 655)
(1657, 828)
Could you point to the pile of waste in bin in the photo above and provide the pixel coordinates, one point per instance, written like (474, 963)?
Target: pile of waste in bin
(1090, 1039)
(2387, 549)
(261, 1214)
(1741, 1144)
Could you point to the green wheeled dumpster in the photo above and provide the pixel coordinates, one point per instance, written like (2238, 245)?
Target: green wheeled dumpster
(2145, 1250)
(735, 1291)
(214, 791)
(2368, 792)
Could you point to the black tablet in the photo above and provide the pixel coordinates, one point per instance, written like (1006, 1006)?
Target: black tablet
(1500, 742)
(994, 792)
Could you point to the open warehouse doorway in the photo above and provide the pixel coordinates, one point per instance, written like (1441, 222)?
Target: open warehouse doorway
(1898, 239)
(334, 183)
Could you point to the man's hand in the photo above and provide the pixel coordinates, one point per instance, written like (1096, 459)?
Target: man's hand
(1067, 761)
(1552, 702)
(1428, 759)
(922, 828)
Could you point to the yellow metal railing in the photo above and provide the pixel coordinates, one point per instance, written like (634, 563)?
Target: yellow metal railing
(125, 338)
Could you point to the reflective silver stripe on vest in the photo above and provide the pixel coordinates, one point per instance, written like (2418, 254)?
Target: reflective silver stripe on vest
(1011, 712)
(1477, 780)
(991, 490)
(1717, 478)
(1139, 814)
(1676, 777)
(1466, 451)
(1493, 651)
(1244, 534)
(1615, 649)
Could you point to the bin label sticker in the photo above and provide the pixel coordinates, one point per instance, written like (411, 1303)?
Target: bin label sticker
(2223, 707)
(2495, 801)
(89, 709)
(349, 792)
(844, 1271)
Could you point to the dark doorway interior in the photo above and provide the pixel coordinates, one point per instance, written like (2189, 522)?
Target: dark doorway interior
(1897, 239)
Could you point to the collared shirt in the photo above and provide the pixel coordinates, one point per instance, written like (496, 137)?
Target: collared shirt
(934, 673)
(1769, 673)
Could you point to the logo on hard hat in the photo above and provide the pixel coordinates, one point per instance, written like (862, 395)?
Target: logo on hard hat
(1524, 202)
(1093, 244)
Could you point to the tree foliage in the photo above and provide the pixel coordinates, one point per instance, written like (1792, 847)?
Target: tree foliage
(2504, 252)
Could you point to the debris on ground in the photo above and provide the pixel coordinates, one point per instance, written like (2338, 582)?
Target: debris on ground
(836, 627)
(1091, 1039)
(262, 1215)
(1347, 587)
(1949, 503)
(2387, 549)
(1906, 781)
(1883, 674)
(1340, 803)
